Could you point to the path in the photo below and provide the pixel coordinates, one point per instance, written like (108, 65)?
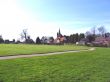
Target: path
(54, 53)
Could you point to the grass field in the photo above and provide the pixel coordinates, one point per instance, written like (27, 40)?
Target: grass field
(19, 49)
(91, 66)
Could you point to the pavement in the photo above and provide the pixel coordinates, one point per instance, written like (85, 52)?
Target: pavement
(32, 55)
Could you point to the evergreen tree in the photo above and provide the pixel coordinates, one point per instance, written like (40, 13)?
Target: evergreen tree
(38, 41)
(81, 36)
(1, 39)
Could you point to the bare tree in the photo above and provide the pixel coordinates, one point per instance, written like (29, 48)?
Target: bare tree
(93, 30)
(88, 33)
(102, 30)
(24, 34)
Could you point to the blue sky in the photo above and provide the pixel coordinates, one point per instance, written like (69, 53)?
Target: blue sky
(69, 10)
(45, 17)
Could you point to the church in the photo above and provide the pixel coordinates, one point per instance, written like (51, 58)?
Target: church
(60, 38)
(59, 35)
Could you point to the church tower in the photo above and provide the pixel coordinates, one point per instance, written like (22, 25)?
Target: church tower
(59, 34)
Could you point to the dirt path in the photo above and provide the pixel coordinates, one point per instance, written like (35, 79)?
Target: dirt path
(54, 53)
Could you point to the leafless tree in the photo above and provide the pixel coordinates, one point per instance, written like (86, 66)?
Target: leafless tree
(88, 33)
(24, 34)
(102, 30)
(93, 30)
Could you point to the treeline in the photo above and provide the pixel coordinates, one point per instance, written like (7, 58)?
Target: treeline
(89, 36)
(7, 41)
(73, 38)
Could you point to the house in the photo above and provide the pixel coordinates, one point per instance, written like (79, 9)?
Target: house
(83, 41)
(47, 40)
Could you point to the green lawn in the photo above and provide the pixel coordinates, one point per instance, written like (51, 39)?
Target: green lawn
(18, 49)
(90, 66)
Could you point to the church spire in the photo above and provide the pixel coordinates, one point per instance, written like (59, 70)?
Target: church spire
(59, 31)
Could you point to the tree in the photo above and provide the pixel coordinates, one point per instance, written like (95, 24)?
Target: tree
(93, 31)
(51, 39)
(90, 38)
(67, 39)
(107, 34)
(88, 33)
(29, 40)
(18, 41)
(38, 41)
(72, 38)
(13, 41)
(102, 30)
(1, 39)
(43, 40)
(81, 36)
(24, 34)
(76, 37)
(7, 41)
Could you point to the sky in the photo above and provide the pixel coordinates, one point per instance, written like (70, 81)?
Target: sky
(45, 17)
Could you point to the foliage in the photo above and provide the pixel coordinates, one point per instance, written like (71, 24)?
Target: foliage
(91, 38)
(7, 41)
(29, 40)
(26, 37)
(75, 37)
(38, 41)
(1, 39)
